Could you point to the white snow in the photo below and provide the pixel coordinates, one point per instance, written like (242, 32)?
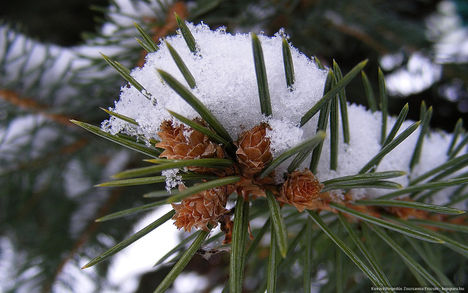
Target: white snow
(173, 179)
(226, 83)
(419, 74)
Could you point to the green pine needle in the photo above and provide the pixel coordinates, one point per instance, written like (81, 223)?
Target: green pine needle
(372, 164)
(160, 193)
(310, 143)
(425, 186)
(143, 45)
(334, 132)
(401, 118)
(130, 240)
(262, 80)
(456, 134)
(319, 64)
(369, 177)
(377, 269)
(120, 116)
(273, 260)
(412, 204)
(181, 263)
(298, 159)
(333, 91)
(424, 129)
(150, 180)
(436, 268)
(187, 35)
(459, 147)
(451, 243)
(131, 211)
(208, 132)
(208, 163)
(288, 64)
(439, 224)
(308, 253)
(458, 161)
(322, 124)
(256, 241)
(141, 148)
(458, 196)
(239, 237)
(406, 257)
(348, 251)
(181, 65)
(203, 186)
(369, 92)
(147, 42)
(278, 224)
(387, 224)
(125, 73)
(343, 104)
(383, 105)
(196, 104)
(377, 184)
(177, 248)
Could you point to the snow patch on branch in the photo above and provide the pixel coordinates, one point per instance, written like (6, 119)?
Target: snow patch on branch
(226, 84)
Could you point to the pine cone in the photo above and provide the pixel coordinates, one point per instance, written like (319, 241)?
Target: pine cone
(302, 190)
(253, 150)
(201, 209)
(185, 143)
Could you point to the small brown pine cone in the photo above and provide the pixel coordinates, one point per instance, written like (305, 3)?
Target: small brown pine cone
(201, 209)
(253, 150)
(184, 143)
(302, 190)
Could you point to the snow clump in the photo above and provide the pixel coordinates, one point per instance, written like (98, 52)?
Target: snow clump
(224, 73)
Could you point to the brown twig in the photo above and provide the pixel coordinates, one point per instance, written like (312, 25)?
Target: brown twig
(66, 150)
(33, 106)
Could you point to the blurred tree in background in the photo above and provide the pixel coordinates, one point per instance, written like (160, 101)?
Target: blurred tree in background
(49, 74)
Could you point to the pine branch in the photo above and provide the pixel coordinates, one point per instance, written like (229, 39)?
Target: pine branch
(33, 106)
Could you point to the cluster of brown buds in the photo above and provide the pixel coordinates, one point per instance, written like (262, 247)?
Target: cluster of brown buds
(205, 209)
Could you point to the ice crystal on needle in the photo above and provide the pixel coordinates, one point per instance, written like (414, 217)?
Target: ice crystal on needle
(226, 84)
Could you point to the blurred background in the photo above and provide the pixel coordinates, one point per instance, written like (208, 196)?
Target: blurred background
(51, 71)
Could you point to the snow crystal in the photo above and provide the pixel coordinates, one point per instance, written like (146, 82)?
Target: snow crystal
(172, 178)
(226, 84)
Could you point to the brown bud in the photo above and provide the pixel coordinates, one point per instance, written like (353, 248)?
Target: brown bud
(200, 209)
(302, 190)
(183, 143)
(253, 150)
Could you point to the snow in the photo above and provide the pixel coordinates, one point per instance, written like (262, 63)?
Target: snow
(419, 74)
(226, 84)
(172, 178)
(129, 263)
(235, 92)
